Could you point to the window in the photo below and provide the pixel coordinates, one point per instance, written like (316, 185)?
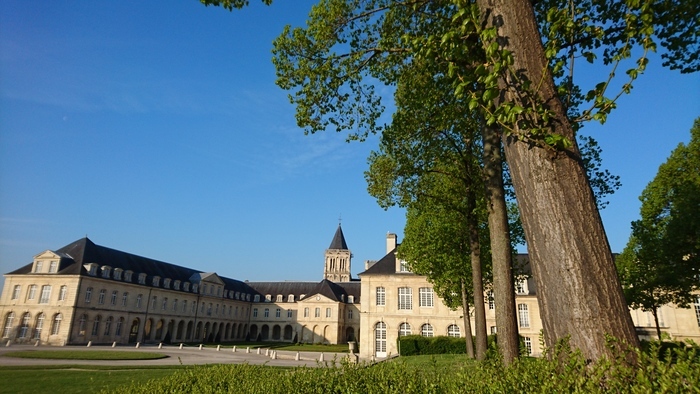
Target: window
(92, 269)
(528, 345)
(101, 299)
(425, 297)
(404, 329)
(164, 306)
(290, 298)
(236, 313)
(176, 285)
(88, 295)
(317, 312)
(255, 312)
(24, 325)
(154, 302)
(491, 300)
(113, 300)
(697, 310)
(16, 292)
(493, 330)
(195, 287)
(289, 312)
(108, 325)
(31, 294)
(268, 298)
(521, 286)
(267, 312)
(9, 320)
(453, 331)
(166, 283)
(105, 272)
(62, 293)
(142, 279)
(127, 275)
(203, 306)
(523, 316)
(194, 307)
(138, 301)
(328, 312)
(306, 312)
(278, 313)
(39, 266)
(45, 294)
(53, 267)
(96, 326)
(175, 305)
(56, 326)
(209, 309)
(204, 289)
(184, 306)
(426, 330)
(156, 281)
(125, 298)
(118, 328)
(216, 311)
(380, 339)
(405, 298)
(381, 296)
(117, 274)
(351, 299)
(403, 266)
(256, 298)
(81, 325)
(279, 298)
(350, 314)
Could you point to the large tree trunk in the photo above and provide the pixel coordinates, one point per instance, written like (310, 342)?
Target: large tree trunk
(655, 313)
(467, 323)
(501, 253)
(477, 277)
(578, 289)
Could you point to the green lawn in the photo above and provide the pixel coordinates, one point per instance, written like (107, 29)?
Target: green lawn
(85, 355)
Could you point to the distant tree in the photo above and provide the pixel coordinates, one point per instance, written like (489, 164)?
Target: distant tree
(661, 262)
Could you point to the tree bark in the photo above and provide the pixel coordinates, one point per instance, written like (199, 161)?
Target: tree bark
(467, 323)
(579, 293)
(655, 313)
(477, 277)
(501, 253)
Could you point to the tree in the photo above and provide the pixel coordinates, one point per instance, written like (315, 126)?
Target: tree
(661, 262)
(505, 68)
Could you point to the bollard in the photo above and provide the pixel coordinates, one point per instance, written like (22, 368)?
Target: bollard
(320, 359)
(267, 352)
(138, 345)
(218, 348)
(200, 346)
(114, 344)
(37, 343)
(8, 344)
(258, 350)
(180, 346)
(247, 350)
(89, 343)
(234, 349)
(160, 345)
(274, 355)
(296, 358)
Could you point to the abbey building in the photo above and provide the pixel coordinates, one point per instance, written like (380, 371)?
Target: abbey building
(84, 293)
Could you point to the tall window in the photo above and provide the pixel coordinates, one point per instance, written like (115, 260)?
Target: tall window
(521, 286)
(491, 300)
(404, 329)
(88, 295)
(16, 292)
(154, 302)
(164, 306)
(24, 325)
(523, 315)
(175, 305)
(31, 294)
(9, 320)
(289, 312)
(255, 312)
(697, 310)
(108, 325)
(56, 326)
(317, 312)
(39, 266)
(350, 314)
(328, 312)
(306, 312)
(403, 266)
(278, 312)
(138, 301)
(184, 306)
(426, 330)
(380, 338)
(45, 294)
(405, 298)
(62, 293)
(381, 296)
(113, 300)
(101, 299)
(125, 298)
(528, 345)
(96, 326)
(118, 328)
(453, 331)
(425, 296)
(267, 312)
(81, 325)
(53, 267)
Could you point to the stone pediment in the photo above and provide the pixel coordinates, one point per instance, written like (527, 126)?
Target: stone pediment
(316, 298)
(208, 277)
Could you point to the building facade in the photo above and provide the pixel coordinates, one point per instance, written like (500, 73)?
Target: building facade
(85, 293)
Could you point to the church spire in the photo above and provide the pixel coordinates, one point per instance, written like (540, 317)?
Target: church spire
(338, 256)
(338, 241)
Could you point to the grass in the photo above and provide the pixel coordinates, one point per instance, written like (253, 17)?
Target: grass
(84, 355)
(295, 347)
(77, 378)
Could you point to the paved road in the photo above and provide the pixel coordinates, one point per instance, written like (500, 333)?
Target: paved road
(177, 356)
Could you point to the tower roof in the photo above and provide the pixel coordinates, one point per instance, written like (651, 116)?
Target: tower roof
(338, 240)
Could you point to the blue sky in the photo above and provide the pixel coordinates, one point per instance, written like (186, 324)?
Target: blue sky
(156, 128)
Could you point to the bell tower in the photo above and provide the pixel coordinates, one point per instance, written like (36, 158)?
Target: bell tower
(338, 256)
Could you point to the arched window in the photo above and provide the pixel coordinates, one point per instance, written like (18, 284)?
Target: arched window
(96, 326)
(380, 339)
(39, 326)
(108, 325)
(56, 326)
(404, 329)
(118, 329)
(62, 293)
(426, 330)
(290, 298)
(9, 320)
(453, 331)
(82, 324)
(279, 297)
(24, 325)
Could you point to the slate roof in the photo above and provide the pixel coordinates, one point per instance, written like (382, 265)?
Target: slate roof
(338, 241)
(84, 251)
(329, 289)
(385, 266)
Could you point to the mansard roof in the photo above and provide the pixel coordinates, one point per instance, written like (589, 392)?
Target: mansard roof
(338, 241)
(84, 251)
(385, 266)
(332, 290)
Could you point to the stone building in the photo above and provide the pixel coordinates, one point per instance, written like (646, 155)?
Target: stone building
(84, 293)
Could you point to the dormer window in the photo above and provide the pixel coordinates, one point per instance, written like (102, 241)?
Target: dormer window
(280, 298)
(268, 298)
(351, 299)
(91, 269)
(142, 278)
(127, 275)
(38, 266)
(118, 274)
(195, 288)
(301, 297)
(218, 291)
(342, 298)
(106, 270)
(403, 266)
(186, 286)
(521, 286)
(53, 267)
(290, 298)
(176, 285)
(256, 298)
(238, 295)
(156, 281)
(166, 283)
(247, 297)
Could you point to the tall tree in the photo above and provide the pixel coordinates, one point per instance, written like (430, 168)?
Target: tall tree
(661, 263)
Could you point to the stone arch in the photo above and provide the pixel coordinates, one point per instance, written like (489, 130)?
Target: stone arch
(350, 334)
(316, 334)
(253, 332)
(198, 332)
(288, 332)
(207, 332)
(188, 332)
(169, 332)
(159, 330)
(180, 330)
(276, 332)
(147, 330)
(265, 332)
(324, 337)
(234, 331)
(134, 330)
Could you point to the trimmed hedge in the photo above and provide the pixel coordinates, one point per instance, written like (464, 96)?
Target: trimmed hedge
(415, 345)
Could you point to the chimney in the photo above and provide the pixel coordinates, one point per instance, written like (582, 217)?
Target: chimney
(390, 242)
